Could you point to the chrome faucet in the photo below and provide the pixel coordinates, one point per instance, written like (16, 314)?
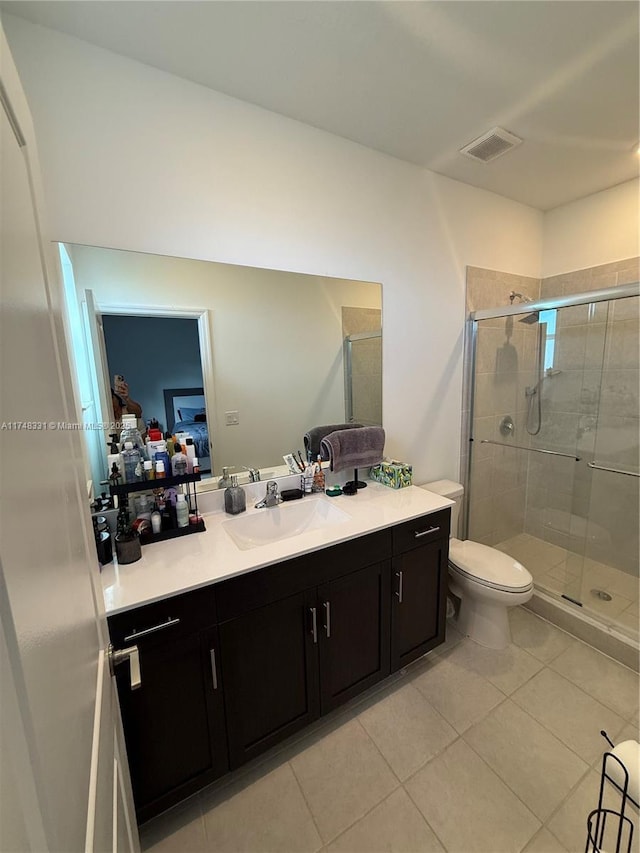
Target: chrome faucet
(271, 498)
(254, 474)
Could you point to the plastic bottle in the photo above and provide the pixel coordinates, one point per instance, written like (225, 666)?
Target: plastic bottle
(182, 511)
(190, 451)
(149, 473)
(156, 521)
(160, 470)
(235, 499)
(130, 432)
(318, 477)
(179, 464)
(132, 463)
(196, 465)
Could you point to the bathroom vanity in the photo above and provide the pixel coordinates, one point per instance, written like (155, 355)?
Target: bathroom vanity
(239, 649)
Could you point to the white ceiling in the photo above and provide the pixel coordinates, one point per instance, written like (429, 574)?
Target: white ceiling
(417, 80)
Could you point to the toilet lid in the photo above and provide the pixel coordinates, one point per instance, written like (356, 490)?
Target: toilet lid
(488, 566)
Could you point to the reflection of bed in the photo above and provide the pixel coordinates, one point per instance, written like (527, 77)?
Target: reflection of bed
(185, 410)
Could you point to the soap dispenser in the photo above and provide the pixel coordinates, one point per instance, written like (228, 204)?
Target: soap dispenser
(235, 500)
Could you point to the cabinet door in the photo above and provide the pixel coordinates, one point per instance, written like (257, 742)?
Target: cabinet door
(353, 614)
(270, 670)
(174, 722)
(418, 601)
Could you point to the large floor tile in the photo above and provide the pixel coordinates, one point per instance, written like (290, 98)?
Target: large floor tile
(572, 715)
(606, 680)
(544, 842)
(270, 814)
(507, 669)
(532, 761)
(179, 829)
(569, 823)
(407, 730)
(395, 826)
(468, 806)
(460, 695)
(342, 778)
(536, 636)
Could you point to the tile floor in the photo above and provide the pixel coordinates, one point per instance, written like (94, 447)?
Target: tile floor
(467, 750)
(560, 571)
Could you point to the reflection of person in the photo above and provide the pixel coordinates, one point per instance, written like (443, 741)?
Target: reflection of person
(122, 402)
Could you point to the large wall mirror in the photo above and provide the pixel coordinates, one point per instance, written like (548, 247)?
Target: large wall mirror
(248, 358)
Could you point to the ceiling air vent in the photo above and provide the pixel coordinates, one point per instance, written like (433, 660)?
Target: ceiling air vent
(490, 145)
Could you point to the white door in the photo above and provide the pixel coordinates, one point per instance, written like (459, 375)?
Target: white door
(63, 779)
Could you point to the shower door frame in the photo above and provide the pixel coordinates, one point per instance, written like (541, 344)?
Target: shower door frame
(604, 295)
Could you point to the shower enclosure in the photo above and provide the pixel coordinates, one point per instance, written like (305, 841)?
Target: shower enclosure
(363, 378)
(553, 475)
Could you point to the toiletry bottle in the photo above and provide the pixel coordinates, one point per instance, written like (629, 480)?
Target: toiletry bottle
(156, 521)
(196, 465)
(170, 446)
(235, 500)
(178, 464)
(130, 432)
(160, 470)
(191, 453)
(318, 477)
(131, 460)
(147, 466)
(182, 511)
(115, 459)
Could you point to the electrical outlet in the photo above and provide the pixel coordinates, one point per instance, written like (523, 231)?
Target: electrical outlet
(232, 418)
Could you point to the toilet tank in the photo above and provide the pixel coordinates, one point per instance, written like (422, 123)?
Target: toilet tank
(453, 491)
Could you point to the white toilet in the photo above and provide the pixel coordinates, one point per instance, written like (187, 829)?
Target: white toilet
(485, 580)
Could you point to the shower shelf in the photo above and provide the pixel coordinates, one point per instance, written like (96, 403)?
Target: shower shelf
(534, 449)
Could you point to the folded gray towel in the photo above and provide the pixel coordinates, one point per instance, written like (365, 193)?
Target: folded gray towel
(313, 438)
(354, 448)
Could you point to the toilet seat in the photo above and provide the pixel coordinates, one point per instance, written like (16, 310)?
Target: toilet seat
(488, 566)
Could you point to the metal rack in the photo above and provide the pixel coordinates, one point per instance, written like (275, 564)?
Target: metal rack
(604, 825)
(122, 490)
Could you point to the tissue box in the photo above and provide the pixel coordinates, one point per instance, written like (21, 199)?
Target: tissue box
(394, 474)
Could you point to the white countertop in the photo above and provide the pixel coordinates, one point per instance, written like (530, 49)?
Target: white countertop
(186, 563)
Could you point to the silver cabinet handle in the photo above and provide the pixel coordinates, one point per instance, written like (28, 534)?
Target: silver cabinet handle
(327, 617)
(314, 624)
(399, 592)
(118, 656)
(214, 669)
(135, 635)
(419, 533)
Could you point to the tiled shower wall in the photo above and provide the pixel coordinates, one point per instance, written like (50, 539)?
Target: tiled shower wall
(498, 486)
(550, 497)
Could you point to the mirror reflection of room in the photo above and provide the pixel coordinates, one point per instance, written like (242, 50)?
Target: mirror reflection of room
(272, 348)
(159, 358)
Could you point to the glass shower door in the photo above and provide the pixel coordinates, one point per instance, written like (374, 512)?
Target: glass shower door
(610, 570)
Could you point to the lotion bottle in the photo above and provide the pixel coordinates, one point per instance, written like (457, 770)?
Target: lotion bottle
(182, 511)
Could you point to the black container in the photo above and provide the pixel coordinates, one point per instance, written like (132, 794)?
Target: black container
(128, 549)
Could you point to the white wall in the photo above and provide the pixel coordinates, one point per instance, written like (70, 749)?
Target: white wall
(595, 230)
(136, 158)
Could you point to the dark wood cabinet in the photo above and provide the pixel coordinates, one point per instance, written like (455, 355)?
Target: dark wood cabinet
(174, 722)
(419, 587)
(270, 671)
(232, 669)
(353, 634)
(288, 661)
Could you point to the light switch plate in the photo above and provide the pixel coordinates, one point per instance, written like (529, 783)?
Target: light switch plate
(232, 418)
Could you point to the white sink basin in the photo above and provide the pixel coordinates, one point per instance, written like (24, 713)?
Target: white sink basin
(272, 524)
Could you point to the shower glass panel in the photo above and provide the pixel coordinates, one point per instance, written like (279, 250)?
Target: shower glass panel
(363, 378)
(554, 453)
